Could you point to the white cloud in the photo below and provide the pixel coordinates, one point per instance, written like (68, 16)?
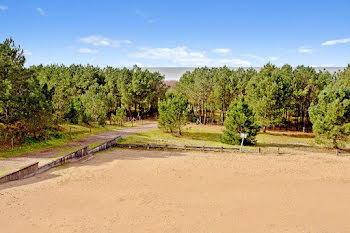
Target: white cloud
(41, 11)
(146, 17)
(304, 49)
(97, 40)
(232, 62)
(27, 53)
(178, 55)
(258, 58)
(261, 59)
(273, 58)
(131, 64)
(3, 7)
(87, 50)
(334, 42)
(183, 56)
(222, 51)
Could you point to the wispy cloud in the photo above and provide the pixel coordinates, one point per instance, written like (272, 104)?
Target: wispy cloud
(3, 7)
(222, 51)
(261, 59)
(41, 11)
(183, 56)
(87, 50)
(97, 40)
(334, 42)
(304, 49)
(27, 53)
(232, 62)
(273, 58)
(145, 16)
(178, 55)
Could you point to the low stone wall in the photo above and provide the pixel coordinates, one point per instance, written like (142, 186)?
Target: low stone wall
(21, 173)
(75, 155)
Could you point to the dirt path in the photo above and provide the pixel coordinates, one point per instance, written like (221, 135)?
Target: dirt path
(46, 155)
(173, 191)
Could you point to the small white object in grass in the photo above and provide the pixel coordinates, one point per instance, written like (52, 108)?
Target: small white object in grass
(244, 135)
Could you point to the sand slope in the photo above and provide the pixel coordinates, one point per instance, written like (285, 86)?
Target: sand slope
(154, 191)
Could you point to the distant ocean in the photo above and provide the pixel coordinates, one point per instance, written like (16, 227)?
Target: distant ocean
(175, 73)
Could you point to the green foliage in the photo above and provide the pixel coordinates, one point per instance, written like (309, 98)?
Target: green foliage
(25, 106)
(35, 100)
(267, 93)
(172, 113)
(119, 117)
(240, 119)
(331, 114)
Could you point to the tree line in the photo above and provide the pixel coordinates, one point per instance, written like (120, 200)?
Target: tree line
(290, 98)
(35, 100)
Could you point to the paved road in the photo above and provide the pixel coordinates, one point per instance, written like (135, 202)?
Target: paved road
(46, 155)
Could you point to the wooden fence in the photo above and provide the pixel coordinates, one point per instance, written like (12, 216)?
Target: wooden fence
(185, 147)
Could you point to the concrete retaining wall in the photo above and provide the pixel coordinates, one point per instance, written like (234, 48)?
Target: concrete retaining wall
(34, 168)
(21, 173)
(104, 146)
(75, 155)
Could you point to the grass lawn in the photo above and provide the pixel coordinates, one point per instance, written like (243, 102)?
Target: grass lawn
(209, 135)
(77, 132)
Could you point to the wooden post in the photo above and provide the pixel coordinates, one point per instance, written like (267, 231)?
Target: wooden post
(222, 149)
(278, 150)
(259, 150)
(70, 133)
(336, 152)
(12, 142)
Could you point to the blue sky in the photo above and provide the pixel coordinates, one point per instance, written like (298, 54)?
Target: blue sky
(179, 33)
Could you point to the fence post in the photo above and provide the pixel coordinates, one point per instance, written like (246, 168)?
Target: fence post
(278, 150)
(336, 152)
(259, 150)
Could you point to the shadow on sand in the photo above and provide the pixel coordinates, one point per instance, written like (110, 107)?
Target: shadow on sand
(97, 160)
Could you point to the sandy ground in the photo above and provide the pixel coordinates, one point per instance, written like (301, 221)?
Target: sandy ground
(173, 191)
(47, 155)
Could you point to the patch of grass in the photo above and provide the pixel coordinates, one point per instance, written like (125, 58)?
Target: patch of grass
(192, 136)
(67, 134)
(199, 135)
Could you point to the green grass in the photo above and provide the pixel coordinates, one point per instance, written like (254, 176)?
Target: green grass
(194, 135)
(64, 137)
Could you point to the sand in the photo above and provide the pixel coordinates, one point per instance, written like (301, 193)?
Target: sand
(173, 191)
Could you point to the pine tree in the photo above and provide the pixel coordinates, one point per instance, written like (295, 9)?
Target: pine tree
(240, 119)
